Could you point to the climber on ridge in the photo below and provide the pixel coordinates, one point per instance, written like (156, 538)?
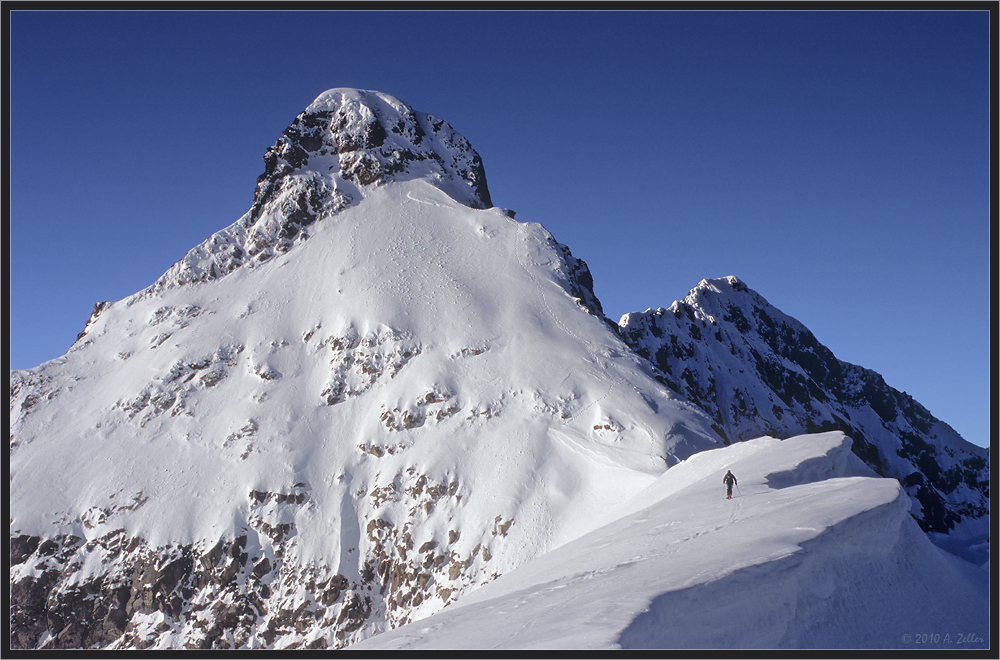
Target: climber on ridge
(730, 481)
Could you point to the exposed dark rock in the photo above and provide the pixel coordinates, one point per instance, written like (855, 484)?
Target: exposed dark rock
(28, 613)
(98, 309)
(365, 361)
(215, 594)
(346, 137)
(331, 593)
(354, 613)
(262, 568)
(780, 381)
(579, 281)
(22, 547)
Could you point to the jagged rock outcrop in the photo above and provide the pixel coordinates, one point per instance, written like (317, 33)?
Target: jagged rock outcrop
(757, 371)
(345, 142)
(247, 591)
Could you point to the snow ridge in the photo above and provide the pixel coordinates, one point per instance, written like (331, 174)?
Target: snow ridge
(814, 551)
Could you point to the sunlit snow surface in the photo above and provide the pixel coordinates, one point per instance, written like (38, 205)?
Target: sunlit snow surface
(813, 551)
(439, 337)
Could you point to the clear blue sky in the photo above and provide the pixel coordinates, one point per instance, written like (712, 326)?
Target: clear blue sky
(837, 162)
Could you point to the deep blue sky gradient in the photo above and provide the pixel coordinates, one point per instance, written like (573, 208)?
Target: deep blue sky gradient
(837, 162)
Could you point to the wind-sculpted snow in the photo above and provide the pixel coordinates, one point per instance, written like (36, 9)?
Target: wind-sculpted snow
(828, 560)
(757, 371)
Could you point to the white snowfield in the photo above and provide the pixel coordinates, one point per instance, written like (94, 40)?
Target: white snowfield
(453, 314)
(410, 347)
(813, 551)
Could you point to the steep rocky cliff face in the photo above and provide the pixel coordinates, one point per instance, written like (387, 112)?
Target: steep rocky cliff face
(757, 372)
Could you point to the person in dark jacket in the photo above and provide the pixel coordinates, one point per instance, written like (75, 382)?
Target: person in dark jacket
(730, 481)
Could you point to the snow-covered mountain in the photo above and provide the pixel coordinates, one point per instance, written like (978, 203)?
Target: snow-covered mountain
(364, 400)
(757, 372)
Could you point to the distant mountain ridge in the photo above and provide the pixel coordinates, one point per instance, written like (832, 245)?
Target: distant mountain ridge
(757, 371)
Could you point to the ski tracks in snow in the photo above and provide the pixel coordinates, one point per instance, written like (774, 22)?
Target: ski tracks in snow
(736, 509)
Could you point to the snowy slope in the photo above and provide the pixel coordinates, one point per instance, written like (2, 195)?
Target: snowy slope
(338, 413)
(402, 317)
(814, 551)
(375, 393)
(757, 371)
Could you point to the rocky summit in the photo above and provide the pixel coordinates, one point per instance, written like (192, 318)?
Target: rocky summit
(346, 141)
